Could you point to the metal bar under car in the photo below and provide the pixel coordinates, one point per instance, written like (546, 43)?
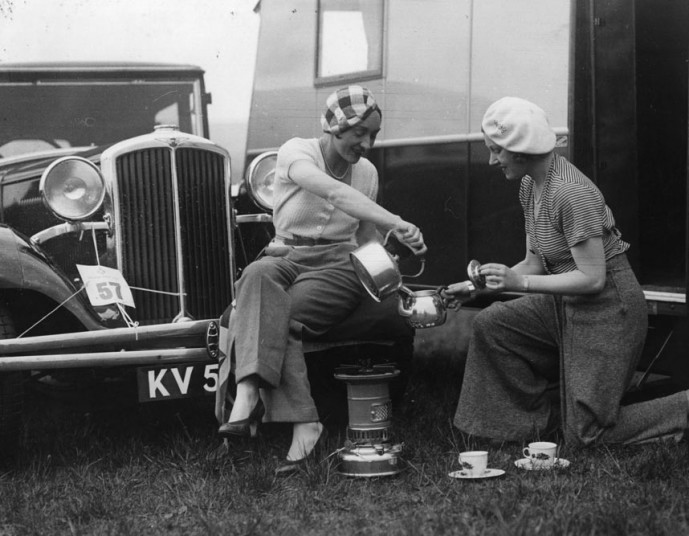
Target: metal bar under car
(181, 334)
(104, 359)
(183, 342)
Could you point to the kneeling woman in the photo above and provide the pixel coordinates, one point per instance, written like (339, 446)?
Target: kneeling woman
(584, 317)
(325, 193)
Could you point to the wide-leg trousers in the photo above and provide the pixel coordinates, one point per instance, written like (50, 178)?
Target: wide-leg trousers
(289, 292)
(590, 344)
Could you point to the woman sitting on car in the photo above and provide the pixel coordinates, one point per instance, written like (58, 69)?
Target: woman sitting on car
(325, 207)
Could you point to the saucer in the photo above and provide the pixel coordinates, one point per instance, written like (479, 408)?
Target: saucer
(490, 473)
(525, 463)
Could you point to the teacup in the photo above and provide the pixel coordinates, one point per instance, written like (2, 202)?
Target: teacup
(474, 462)
(541, 453)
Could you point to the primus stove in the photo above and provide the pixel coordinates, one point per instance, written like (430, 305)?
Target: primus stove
(369, 451)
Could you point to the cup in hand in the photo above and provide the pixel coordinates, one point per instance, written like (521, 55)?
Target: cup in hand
(541, 453)
(474, 462)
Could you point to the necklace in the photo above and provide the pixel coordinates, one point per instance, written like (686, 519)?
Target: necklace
(327, 166)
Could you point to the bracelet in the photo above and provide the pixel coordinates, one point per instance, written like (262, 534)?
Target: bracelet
(526, 283)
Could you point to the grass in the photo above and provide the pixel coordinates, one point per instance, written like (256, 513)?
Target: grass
(154, 469)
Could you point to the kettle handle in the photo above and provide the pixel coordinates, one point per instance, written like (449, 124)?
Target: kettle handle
(422, 259)
(397, 244)
(422, 267)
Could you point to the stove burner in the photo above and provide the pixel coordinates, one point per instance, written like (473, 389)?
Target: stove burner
(368, 451)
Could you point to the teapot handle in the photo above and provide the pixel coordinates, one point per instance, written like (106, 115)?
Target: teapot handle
(448, 304)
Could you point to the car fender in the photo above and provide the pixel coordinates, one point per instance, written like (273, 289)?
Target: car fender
(26, 267)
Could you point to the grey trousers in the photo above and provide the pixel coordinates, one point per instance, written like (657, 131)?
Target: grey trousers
(280, 297)
(590, 344)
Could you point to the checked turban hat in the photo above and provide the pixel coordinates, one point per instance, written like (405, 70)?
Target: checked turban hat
(346, 108)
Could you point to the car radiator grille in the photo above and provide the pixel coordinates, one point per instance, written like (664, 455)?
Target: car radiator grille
(149, 237)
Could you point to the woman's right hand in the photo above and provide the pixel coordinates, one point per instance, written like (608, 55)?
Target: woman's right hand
(411, 235)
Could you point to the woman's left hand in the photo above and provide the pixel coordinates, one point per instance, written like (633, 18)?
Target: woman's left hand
(501, 278)
(457, 293)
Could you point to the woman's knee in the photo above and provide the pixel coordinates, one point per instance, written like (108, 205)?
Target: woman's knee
(258, 271)
(488, 319)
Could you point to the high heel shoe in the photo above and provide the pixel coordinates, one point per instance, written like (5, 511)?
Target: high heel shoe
(245, 427)
(288, 467)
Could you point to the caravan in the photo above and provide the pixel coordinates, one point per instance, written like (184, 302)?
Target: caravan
(611, 74)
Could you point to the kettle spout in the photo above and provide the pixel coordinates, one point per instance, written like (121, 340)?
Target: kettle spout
(404, 292)
(405, 301)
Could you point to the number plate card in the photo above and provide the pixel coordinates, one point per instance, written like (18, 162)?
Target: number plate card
(105, 285)
(176, 381)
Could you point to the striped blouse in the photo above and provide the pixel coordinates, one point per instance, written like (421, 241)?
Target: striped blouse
(572, 210)
(299, 212)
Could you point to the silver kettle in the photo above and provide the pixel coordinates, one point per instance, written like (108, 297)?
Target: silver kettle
(377, 269)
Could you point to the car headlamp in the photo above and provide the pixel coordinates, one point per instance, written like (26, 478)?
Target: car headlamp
(72, 188)
(260, 178)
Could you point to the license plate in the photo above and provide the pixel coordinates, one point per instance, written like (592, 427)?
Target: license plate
(176, 381)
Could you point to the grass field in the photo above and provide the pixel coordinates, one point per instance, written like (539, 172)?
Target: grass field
(154, 469)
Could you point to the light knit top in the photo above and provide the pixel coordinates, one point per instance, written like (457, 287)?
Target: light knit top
(572, 210)
(299, 212)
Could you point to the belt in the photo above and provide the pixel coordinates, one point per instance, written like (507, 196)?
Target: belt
(298, 240)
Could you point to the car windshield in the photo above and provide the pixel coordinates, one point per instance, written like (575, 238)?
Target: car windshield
(38, 117)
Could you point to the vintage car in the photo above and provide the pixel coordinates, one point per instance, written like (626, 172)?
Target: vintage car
(118, 234)
(105, 167)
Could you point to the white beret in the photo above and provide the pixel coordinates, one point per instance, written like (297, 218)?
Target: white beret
(519, 126)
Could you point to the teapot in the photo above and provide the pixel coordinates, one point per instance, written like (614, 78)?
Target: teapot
(422, 308)
(428, 308)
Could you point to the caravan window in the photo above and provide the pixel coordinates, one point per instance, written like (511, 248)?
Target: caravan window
(350, 40)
